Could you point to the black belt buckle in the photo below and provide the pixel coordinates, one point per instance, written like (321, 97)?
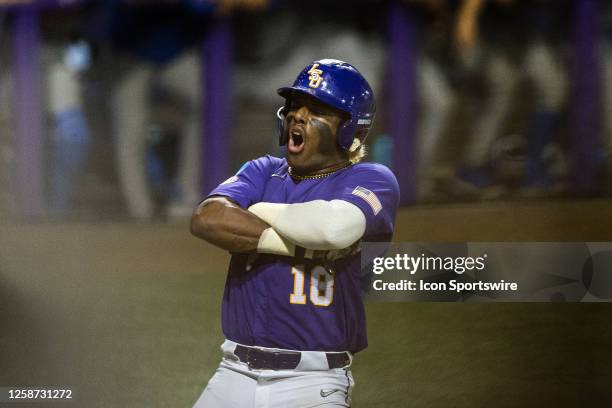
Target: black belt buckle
(337, 360)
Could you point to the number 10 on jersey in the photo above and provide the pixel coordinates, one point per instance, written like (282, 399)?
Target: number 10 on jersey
(321, 288)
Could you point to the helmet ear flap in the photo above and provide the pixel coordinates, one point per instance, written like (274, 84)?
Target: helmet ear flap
(352, 136)
(344, 136)
(282, 135)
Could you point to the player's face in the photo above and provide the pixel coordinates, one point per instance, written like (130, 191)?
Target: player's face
(311, 126)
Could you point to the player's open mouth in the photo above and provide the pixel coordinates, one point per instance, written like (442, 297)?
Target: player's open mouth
(296, 140)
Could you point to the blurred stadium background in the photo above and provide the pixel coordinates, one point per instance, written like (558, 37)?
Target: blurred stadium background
(117, 116)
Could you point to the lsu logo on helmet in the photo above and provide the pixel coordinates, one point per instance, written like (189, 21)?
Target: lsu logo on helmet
(315, 76)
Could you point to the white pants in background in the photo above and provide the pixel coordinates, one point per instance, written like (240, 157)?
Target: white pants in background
(131, 116)
(311, 384)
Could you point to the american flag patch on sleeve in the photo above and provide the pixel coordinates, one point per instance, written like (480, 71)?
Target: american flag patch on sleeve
(230, 180)
(369, 198)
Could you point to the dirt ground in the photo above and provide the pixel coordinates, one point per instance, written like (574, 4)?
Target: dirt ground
(128, 315)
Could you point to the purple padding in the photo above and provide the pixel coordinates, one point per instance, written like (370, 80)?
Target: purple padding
(28, 171)
(401, 86)
(586, 99)
(217, 66)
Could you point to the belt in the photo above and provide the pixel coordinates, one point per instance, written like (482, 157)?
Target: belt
(259, 359)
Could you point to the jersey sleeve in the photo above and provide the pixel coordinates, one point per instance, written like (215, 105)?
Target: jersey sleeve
(374, 189)
(246, 187)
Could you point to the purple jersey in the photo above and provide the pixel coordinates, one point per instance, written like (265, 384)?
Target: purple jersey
(296, 303)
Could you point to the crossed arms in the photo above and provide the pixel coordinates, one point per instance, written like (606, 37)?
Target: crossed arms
(278, 228)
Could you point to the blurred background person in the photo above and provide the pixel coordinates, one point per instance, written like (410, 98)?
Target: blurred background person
(437, 93)
(168, 113)
(70, 133)
(154, 45)
(546, 70)
(158, 48)
(511, 49)
(487, 35)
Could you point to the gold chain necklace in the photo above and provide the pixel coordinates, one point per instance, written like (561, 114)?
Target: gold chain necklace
(321, 175)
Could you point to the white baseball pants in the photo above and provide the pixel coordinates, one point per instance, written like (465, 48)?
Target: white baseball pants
(311, 384)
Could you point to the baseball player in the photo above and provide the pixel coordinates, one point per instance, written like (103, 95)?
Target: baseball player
(293, 313)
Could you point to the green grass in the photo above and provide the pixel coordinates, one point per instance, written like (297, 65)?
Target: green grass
(420, 354)
(167, 334)
(130, 315)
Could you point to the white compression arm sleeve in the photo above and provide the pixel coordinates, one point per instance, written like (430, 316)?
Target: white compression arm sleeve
(318, 224)
(272, 243)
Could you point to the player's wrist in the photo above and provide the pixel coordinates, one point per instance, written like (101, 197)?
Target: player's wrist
(270, 242)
